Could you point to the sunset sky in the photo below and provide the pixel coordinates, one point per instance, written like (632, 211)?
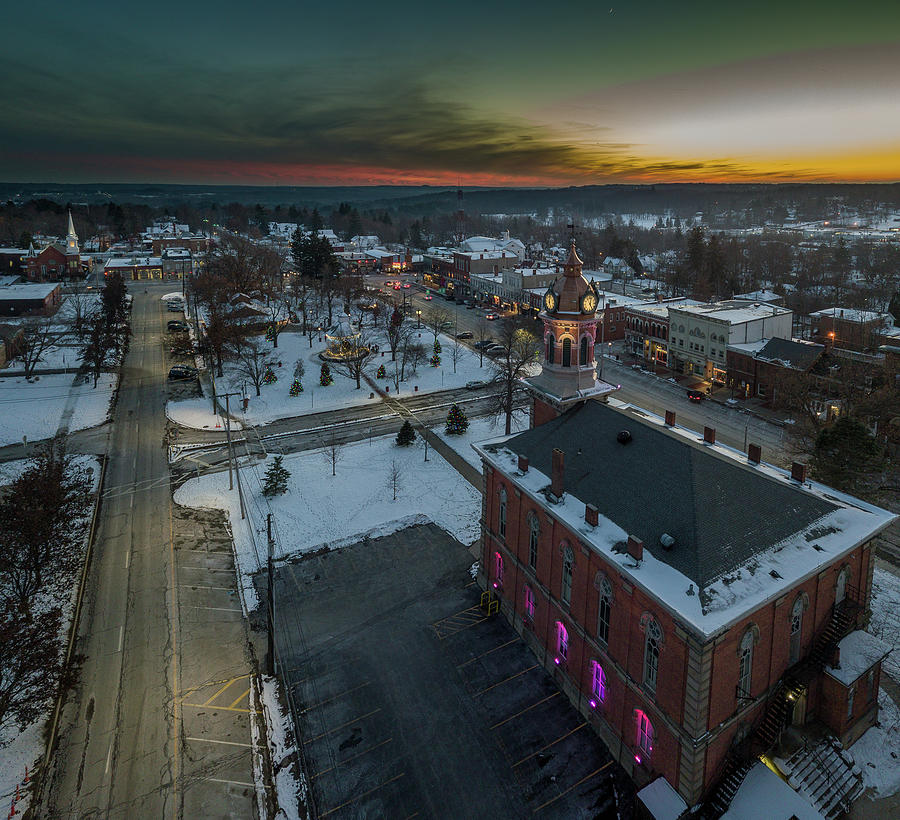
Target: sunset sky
(485, 93)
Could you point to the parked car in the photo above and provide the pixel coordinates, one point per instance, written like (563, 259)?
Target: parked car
(466, 334)
(177, 325)
(484, 343)
(492, 316)
(182, 372)
(446, 325)
(474, 384)
(496, 350)
(695, 395)
(174, 307)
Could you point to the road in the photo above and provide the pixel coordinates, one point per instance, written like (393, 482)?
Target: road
(116, 755)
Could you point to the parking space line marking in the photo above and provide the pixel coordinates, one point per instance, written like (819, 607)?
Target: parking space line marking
(574, 785)
(334, 697)
(352, 757)
(361, 796)
(552, 743)
(199, 586)
(511, 677)
(186, 692)
(220, 690)
(230, 782)
(222, 708)
(526, 709)
(478, 657)
(237, 700)
(222, 742)
(336, 728)
(207, 569)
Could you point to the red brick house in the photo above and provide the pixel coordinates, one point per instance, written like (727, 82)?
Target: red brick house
(689, 600)
(755, 369)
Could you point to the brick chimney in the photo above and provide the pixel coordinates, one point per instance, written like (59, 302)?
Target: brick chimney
(557, 486)
(523, 464)
(709, 435)
(635, 548)
(798, 472)
(754, 453)
(591, 514)
(670, 418)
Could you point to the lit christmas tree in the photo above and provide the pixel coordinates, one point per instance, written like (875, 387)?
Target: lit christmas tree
(325, 377)
(437, 346)
(296, 388)
(456, 421)
(436, 356)
(270, 334)
(381, 373)
(269, 376)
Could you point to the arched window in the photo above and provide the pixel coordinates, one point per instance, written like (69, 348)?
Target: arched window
(567, 353)
(534, 533)
(604, 609)
(498, 570)
(598, 684)
(568, 563)
(551, 349)
(840, 589)
(644, 736)
(501, 524)
(529, 604)
(583, 352)
(562, 643)
(652, 640)
(745, 665)
(796, 629)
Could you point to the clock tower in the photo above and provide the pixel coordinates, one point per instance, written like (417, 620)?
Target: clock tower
(568, 372)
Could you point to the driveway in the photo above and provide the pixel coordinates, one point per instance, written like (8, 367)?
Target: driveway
(410, 702)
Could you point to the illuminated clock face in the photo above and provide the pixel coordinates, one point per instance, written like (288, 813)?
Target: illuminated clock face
(550, 301)
(589, 302)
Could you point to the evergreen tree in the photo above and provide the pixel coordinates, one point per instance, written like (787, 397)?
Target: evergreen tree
(296, 387)
(407, 435)
(381, 373)
(325, 377)
(276, 478)
(457, 423)
(269, 376)
(894, 307)
(436, 355)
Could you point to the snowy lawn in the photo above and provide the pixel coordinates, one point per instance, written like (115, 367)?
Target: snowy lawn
(481, 430)
(35, 409)
(197, 414)
(324, 511)
(877, 751)
(275, 401)
(884, 624)
(53, 359)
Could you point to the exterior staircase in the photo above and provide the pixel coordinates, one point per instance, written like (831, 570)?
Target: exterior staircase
(826, 775)
(729, 783)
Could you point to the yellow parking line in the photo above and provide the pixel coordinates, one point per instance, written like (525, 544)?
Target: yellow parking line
(526, 709)
(511, 677)
(238, 699)
(222, 708)
(352, 757)
(361, 796)
(334, 729)
(333, 697)
(552, 743)
(189, 690)
(219, 691)
(477, 657)
(574, 785)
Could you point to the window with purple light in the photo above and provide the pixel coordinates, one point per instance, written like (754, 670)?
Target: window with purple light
(501, 525)
(644, 735)
(598, 684)
(498, 570)
(562, 641)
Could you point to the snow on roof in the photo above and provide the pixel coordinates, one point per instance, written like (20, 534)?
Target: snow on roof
(662, 801)
(733, 312)
(759, 296)
(833, 524)
(29, 290)
(749, 347)
(764, 794)
(851, 315)
(859, 652)
(132, 261)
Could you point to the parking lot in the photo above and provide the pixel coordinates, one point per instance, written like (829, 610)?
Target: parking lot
(412, 703)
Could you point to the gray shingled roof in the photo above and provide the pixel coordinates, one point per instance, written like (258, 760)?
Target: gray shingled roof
(720, 513)
(799, 355)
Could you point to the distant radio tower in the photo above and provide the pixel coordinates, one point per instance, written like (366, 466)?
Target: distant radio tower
(460, 217)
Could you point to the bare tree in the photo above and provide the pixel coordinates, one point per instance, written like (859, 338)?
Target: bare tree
(483, 332)
(455, 352)
(394, 477)
(331, 452)
(520, 351)
(276, 313)
(98, 347)
(359, 351)
(252, 359)
(38, 336)
(82, 303)
(434, 318)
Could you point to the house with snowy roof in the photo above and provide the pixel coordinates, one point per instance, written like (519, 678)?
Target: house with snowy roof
(850, 328)
(690, 600)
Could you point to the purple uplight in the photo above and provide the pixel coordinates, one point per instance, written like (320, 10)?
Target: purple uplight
(495, 585)
(637, 758)
(556, 661)
(593, 704)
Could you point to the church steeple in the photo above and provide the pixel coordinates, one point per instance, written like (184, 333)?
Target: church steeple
(568, 373)
(72, 248)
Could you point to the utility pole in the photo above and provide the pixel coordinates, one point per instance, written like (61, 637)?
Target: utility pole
(270, 548)
(228, 436)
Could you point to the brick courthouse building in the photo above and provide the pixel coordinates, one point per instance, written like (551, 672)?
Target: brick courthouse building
(690, 600)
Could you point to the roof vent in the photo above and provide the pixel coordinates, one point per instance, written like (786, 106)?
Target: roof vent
(623, 437)
(667, 541)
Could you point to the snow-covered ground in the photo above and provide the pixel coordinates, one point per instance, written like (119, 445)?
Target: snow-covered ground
(878, 750)
(290, 784)
(481, 430)
(275, 401)
(55, 358)
(35, 409)
(197, 414)
(324, 511)
(885, 624)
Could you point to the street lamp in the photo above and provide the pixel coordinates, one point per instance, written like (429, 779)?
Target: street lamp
(419, 318)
